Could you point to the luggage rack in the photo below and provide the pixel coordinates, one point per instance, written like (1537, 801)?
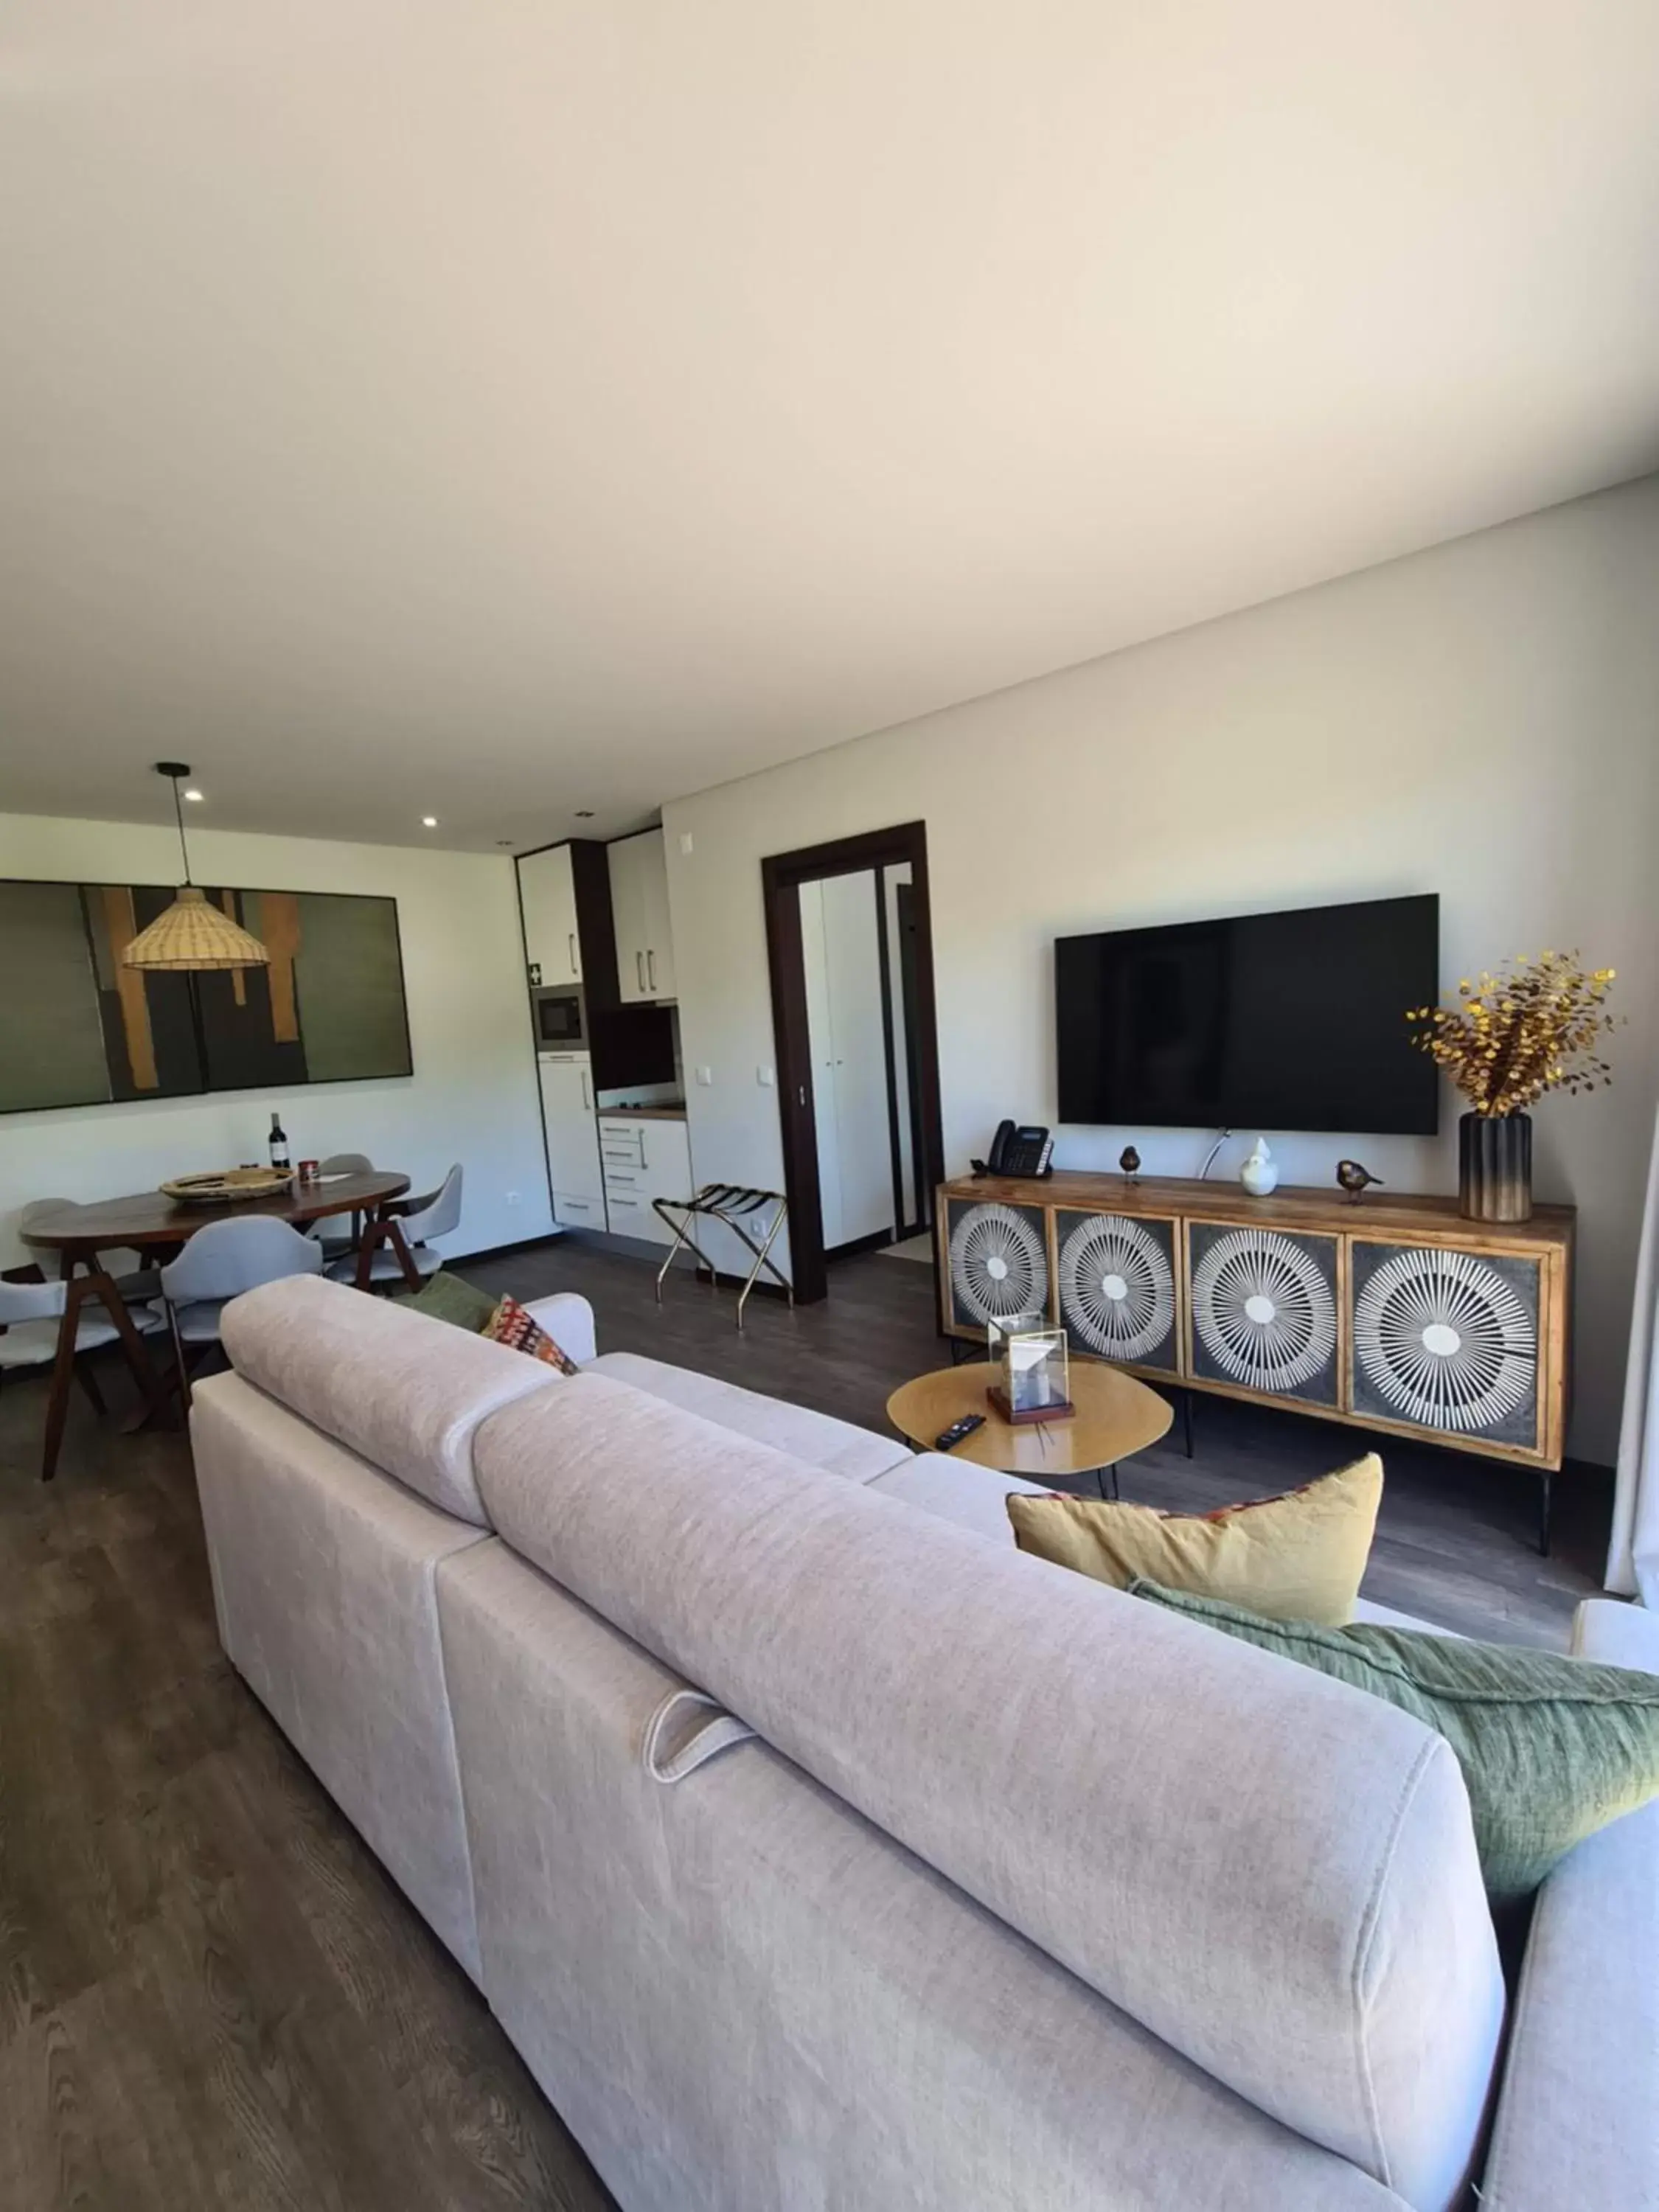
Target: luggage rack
(740, 1209)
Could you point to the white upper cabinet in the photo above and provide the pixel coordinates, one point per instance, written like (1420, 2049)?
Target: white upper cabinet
(639, 905)
(548, 892)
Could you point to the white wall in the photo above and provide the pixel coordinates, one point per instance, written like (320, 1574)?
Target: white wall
(1482, 721)
(473, 1096)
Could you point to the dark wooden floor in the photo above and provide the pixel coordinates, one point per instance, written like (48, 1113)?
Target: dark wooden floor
(1457, 1536)
(211, 1995)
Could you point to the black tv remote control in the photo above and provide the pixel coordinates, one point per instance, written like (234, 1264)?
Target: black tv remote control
(948, 1439)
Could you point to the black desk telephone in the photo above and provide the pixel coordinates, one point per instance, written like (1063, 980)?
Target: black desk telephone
(1017, 1152)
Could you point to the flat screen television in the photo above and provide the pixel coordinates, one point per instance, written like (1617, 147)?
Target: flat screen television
(1267, 1021)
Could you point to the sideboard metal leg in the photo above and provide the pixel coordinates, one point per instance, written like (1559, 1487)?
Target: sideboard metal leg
(1546, 1490)
(1187, 1421)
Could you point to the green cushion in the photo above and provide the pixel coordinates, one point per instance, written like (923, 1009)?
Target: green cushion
(1551, 1748)
(448, 1297)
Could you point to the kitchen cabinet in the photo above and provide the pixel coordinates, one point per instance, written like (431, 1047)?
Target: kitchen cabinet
(639, 906)
(547, 892)
(642, 1160)
(573, 1146)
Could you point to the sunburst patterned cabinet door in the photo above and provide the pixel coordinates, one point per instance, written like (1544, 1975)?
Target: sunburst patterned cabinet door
(1264, 1313)
(998, 1263)
(1446, 1340)
(1116, 1286)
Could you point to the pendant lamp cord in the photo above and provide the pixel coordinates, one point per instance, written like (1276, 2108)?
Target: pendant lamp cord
(178, 808)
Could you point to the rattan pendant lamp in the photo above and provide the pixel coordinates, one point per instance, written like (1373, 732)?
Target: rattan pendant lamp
(192, 935)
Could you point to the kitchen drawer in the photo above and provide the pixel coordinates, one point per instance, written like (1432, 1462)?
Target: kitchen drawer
(573, 1212)
(632, 1214)
(652, 1157)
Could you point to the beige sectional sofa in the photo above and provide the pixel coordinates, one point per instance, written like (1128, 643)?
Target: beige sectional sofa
(997, 1890)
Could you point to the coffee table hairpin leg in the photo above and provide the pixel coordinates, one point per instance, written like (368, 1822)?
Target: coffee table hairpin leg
(731, 1203)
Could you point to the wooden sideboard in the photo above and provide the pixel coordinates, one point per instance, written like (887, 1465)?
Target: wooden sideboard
(1387, 1312)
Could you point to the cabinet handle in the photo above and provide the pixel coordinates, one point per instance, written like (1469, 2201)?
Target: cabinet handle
(651, 966)
(573, 952)
(644, 1163)
(586, 1101)
(638, 969)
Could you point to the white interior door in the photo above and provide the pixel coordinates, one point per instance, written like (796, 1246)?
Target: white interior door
(891, 878)
(821, 1036)
(852, 975)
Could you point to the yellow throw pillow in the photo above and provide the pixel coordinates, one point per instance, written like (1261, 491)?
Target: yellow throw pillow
(1297, 1557)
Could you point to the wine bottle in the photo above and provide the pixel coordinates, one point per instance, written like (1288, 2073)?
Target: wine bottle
(278, 1143)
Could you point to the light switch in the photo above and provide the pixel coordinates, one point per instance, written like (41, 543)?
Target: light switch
(705, 1076)
(685, 841)
(766, 1077)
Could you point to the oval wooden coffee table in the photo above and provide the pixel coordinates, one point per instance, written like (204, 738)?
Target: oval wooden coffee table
(1115, 1417)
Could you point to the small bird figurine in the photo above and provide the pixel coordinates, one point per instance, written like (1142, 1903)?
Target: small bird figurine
(1354, 1178)
(1129, 1160)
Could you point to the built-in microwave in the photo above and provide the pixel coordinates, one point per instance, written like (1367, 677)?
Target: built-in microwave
(561, 1018)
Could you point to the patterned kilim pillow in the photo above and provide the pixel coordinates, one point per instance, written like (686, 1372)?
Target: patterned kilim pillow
(511, 1325)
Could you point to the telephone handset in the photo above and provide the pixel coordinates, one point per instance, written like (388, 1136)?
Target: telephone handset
(1018, 1151)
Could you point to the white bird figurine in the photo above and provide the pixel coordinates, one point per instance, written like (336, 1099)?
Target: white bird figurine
(1260, 1173)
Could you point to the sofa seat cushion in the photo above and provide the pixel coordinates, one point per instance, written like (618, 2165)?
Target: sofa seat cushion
(818, 1439)
(958, 1491)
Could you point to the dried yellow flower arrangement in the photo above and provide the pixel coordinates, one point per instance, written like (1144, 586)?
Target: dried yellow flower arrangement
(1533, 1027)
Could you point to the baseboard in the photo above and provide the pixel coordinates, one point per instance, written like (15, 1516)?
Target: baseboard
(585, 1240)
(505, 1251)
(735, 1275)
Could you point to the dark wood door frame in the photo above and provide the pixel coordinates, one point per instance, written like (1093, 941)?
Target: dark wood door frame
(782, 876)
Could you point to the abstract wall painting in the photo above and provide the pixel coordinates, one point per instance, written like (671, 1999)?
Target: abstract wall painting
(78, 1029)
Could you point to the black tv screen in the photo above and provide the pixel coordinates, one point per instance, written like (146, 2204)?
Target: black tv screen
(1268, 1021)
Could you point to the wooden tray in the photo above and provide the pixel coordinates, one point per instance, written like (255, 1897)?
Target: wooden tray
(228, 1186)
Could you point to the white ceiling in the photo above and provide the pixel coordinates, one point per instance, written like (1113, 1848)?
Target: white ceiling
(501, 407)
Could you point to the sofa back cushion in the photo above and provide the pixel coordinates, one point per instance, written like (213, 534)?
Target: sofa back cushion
(1270, 1870)
(405, 1392)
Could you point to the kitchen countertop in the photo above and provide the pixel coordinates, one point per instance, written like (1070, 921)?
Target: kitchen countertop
(642, 1113)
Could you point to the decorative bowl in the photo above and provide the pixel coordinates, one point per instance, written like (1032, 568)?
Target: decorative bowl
(227, 1186)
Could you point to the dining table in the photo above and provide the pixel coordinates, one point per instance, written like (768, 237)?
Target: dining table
(158, 1227)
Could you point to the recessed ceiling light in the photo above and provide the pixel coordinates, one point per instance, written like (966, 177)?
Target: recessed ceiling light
(192, 795)
(429, 822)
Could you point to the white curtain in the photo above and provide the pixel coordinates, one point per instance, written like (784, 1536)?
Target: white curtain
(1633, 1558)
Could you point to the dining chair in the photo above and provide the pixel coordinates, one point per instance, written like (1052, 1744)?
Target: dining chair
(218, 1264)
(31, 1334)
(416, 1222)
(327, 1232)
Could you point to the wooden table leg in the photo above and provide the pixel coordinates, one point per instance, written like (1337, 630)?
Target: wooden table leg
(63, 1368)
(412, 1274)
(144, 1368)
(388, 1231)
